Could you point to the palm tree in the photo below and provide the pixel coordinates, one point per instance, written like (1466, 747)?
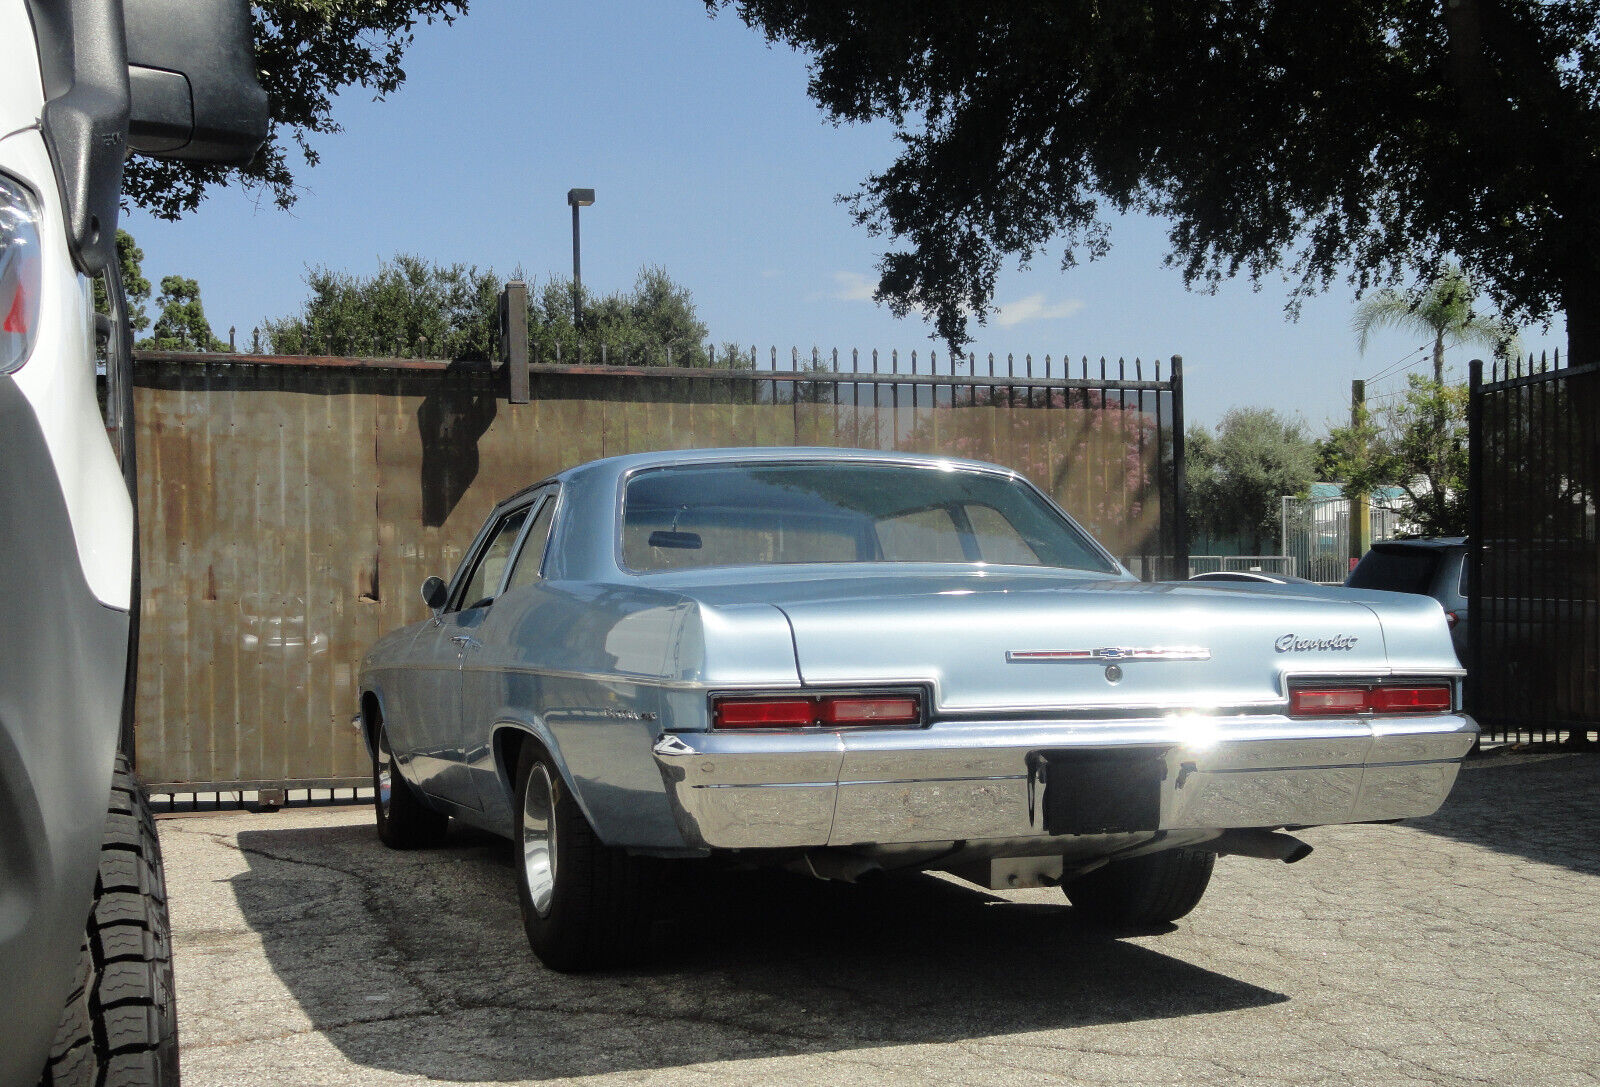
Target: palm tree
(1443, 308)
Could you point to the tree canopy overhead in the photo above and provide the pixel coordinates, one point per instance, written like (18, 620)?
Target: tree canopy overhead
(307, 51)
(1360, 139)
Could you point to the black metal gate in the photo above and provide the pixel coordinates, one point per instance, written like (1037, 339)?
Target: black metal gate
(1534, 600)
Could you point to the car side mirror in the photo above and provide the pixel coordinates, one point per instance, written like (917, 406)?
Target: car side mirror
(434, 593)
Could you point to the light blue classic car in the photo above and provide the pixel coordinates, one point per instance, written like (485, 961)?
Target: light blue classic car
(842, 662)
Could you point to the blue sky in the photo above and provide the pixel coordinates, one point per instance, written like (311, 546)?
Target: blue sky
(708, 159)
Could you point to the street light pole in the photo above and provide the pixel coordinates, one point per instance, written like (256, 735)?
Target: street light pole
(578, 198)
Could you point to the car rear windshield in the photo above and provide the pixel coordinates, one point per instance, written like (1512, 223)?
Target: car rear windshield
(742, 515)
(1396, 570)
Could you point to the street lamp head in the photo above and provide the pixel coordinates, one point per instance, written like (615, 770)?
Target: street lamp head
(580, 198)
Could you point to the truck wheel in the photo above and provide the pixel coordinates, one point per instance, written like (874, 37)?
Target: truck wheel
(584, 904)
(120, 1025)
(1141, 891)
(404, 820)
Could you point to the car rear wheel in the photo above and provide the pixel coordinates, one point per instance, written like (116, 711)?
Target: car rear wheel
(404, 820)
(1153, 889)
(119, 1027)
(584, 904)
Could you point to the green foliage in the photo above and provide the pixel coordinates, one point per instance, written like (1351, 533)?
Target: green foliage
(135, 287)
(414, 309)
(1238, 475)
(1443, 308)
(1418, 444)
(1357, 140)
(645, 326)
(410, 309)
(307, 53)
(182, 325)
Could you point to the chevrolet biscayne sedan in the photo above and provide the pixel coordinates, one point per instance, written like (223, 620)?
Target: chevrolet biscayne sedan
(841, 662)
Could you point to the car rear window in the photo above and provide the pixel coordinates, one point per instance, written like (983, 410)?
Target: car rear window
(741, 514)
(1396, 570)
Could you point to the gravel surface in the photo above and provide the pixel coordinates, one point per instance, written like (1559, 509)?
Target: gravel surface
(1459, 949)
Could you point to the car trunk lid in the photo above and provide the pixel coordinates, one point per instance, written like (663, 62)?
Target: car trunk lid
(1085, 645)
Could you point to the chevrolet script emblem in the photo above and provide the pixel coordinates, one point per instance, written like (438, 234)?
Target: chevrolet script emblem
(1294, 643)
(1110, 653)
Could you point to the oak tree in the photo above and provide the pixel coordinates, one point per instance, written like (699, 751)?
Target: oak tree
(1359, 139)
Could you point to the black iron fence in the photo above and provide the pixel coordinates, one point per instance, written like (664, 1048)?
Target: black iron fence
(1534, 596)
(1104, 438)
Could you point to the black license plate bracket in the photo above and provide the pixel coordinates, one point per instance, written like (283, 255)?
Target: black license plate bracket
(1098, 791)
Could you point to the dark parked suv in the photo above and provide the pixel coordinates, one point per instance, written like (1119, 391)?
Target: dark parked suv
(1433, 567)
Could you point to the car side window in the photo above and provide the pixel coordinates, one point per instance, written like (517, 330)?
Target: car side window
(525, 567)
(926, 535)
(998, 540)
(481, 587)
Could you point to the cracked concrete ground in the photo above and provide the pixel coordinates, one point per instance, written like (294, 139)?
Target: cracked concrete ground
(1459, 949)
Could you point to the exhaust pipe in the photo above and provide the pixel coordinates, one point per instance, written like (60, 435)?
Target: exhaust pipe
(1269, 845)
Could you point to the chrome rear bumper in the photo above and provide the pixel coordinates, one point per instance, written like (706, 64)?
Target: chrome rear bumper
(955, 782)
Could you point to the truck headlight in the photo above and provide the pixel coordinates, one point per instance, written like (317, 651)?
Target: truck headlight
(19, 274)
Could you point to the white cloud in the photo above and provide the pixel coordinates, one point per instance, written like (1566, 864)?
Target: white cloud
(1035, 308)
(853, 287)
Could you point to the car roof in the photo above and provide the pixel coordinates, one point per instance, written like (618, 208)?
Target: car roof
(628, 462)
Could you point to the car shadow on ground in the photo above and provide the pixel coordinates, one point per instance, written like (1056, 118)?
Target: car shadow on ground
(416, 963)
(1539, 803)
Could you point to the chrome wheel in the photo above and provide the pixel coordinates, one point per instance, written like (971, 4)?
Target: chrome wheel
(539, 837)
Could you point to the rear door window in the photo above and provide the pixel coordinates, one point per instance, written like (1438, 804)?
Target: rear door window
(525, 570)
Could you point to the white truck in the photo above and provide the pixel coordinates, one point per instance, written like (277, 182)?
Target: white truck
(85, 953)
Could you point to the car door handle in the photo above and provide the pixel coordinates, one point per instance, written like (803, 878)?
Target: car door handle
(467, 641)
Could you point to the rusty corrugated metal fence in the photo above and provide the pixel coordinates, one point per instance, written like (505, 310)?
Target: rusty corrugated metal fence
(290, 507)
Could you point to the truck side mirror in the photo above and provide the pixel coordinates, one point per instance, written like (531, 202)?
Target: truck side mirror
(193, 94)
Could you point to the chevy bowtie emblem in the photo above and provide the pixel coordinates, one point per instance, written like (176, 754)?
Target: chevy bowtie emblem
(1111, 653)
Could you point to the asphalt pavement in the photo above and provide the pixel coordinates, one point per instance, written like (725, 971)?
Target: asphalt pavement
(1459, 949)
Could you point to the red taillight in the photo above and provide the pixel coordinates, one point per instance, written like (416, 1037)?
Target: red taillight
(869, 711)
(1314, 701)
(20, 274)
(1327, 701)
(1410, 699)
(765, 713)
(818, 711)
(16, 321)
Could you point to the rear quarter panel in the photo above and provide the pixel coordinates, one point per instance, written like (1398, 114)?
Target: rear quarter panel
(596, 672)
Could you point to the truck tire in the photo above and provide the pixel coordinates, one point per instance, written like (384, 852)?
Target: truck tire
(1142, 891)
(584, 904)
(119, 1027)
